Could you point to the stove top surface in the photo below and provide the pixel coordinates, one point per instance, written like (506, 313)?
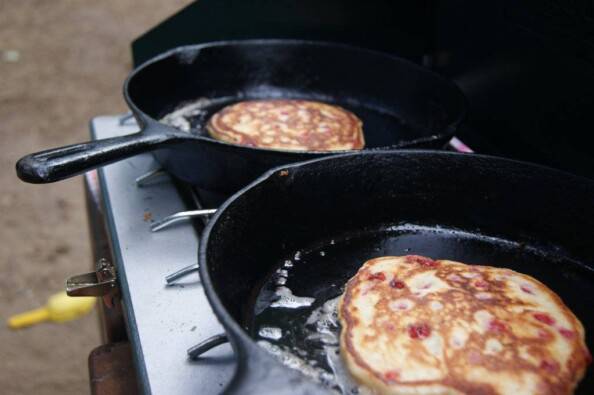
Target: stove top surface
(163, 321)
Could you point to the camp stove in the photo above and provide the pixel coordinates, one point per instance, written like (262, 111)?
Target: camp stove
(145, 227)
(162, 319)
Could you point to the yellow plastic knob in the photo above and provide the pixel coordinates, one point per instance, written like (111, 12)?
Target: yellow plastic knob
(59, 308)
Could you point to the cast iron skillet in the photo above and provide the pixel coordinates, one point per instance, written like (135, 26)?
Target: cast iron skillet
(470, 208)
(401, 104)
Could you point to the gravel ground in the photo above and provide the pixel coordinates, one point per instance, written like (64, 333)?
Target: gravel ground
(61, 63)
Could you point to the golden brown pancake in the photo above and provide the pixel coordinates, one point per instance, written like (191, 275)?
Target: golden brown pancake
(295, 125)
(412, 325)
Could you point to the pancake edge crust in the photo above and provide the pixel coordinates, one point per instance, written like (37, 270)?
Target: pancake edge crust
(288, 124)
(387, 380)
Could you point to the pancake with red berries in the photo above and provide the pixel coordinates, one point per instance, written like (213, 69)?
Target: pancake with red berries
(292, 125)
(413, 325)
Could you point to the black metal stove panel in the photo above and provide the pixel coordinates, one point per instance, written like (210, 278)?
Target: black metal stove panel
(527, 67)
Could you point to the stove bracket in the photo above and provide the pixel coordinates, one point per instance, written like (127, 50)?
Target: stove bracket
(102, 282)
(206, 345)
(181, 216)
(149, 177)
(183, 272)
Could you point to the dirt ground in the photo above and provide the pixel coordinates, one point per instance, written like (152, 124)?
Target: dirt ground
(61, 63)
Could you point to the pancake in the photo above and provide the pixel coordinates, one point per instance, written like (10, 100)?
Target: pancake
(412, 325)
(294, 125)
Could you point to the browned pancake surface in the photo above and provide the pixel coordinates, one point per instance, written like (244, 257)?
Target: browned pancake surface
(296, 125)
(412, 325)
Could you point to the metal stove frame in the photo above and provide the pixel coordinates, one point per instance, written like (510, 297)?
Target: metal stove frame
(160, 307)
(162, 321)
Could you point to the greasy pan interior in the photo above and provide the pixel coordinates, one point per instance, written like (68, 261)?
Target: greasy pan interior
(474, 209)
(400, 103)
(396, 99)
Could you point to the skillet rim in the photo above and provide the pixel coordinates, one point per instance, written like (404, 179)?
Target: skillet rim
(146, 121)
(238, 337)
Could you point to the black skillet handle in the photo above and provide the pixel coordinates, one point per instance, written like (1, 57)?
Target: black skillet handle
(64, 162)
